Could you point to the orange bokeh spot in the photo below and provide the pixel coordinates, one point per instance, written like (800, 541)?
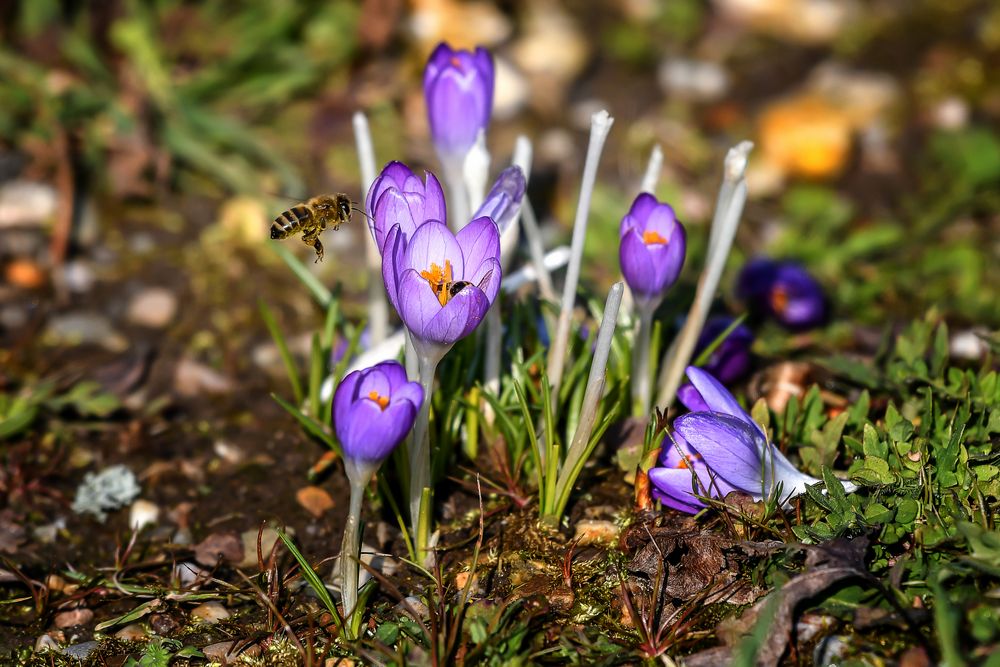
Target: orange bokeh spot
(653, 238)
(382, 401)
(439, 279)
(779, 299)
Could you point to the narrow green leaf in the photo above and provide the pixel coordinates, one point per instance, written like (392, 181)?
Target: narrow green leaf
(286, 355)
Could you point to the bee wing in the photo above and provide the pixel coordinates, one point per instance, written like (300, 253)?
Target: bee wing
(485, 280)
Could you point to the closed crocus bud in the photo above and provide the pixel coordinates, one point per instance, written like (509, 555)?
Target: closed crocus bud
(399, 197)
(784, 291)
(503, 204)
(373, 410)
(651, 250)
(458, 87)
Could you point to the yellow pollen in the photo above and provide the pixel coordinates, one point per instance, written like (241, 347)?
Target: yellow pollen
(651, 238)
(439, 279)
(383, 401)
(779, 299)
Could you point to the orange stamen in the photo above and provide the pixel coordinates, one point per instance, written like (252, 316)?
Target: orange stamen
(650, 237)
(455, 62)
(779, 299)
(382, 401)
(439, 279)
(682, 464)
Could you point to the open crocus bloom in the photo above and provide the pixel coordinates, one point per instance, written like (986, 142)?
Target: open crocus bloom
(398, 197)
(726, 450)
(441, 283)
(458, 87)
(784, 291)
(373, 410)
(651, 250)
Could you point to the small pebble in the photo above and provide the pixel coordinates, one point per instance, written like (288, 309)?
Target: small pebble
(25, 203)
(46, 642)
(163, 624)
(13, 317)
(224, 652)
(133, 632)
(84, 327)
(267, 540)
(78, 276)
(143, 513)
(210, 612)
(225, 546)
(192, 378)
(73, 617)
(595, 532)
(189, 573)
(153, 307)
(80, 651)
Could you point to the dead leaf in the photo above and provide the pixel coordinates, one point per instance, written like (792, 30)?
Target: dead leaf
(315, 500)
(224, 546)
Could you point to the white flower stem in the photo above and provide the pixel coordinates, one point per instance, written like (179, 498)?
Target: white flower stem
(641, 372)
(579, 449)
(475, 173)
(600, 125)
(458, 204)
(378, 308)
(536, 248)
(729, 208)
(350, 550)
(653, 168)
(420, 454)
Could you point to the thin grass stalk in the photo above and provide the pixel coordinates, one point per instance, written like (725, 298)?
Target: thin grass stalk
(729, 208)
(600, 125)
(573, 462)
(378, 307)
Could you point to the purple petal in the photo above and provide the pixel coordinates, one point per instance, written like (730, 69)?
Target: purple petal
(691, 399)
(459, 318)
(479, 241)
(343, 398)
(642, 206)
(418, 304)
(392, 260)
(433, 243)
(504, 200)
(434, 201)
(374, 380)
(669, 488)
(393, 209)
(727, 445)
(372, 433)
(716, 396)
(438, 60)
(394, 373)
(487, 278)
(411, 392)
(637, 265)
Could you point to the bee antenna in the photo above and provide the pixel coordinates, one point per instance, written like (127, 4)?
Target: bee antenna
(361, 211)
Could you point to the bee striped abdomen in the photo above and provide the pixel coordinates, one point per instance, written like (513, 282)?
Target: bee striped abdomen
(290, 221)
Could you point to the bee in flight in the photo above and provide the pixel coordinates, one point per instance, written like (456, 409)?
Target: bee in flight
(312, 218)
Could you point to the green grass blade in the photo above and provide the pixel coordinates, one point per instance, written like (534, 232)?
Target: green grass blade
(319, 291)
(313, 580)
(312, 427)
(286, 355)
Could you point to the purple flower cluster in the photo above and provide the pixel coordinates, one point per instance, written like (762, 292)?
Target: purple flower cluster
(728, 363)
(440, 283)
(784, 291)
(718, 449)
(373, 410)
(652, 248)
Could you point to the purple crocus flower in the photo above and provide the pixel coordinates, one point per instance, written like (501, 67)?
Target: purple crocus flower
(458, 87)
(373, 410)
(441, 283)
(503, 203)
(784, 291)
(398, 197)
(725, 449)
(652, 249)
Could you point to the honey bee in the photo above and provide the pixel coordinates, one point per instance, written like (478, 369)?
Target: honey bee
(312, 218)
(445, 291)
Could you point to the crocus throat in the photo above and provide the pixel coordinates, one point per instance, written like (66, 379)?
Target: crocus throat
(456, 63)
(381, 401)
(440, 281)
(779, 299)
(651, 237)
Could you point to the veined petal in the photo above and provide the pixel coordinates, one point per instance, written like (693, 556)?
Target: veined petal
(727, 445)
(343, 398)
(487, 277)
(373, 433)
(456, 320)
(433, 243)
(392, 260)
(479, 240)
(716, 396)
(637, 265)
(375, 380)
(418, 304)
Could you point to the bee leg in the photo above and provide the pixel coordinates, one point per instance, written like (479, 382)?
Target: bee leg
(317, 246)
